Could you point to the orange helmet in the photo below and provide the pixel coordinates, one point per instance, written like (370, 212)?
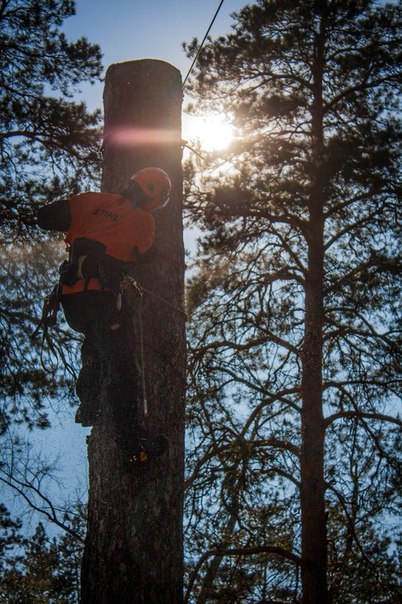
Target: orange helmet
(156, 186)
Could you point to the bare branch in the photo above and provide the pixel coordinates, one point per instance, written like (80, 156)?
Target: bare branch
(48, 510)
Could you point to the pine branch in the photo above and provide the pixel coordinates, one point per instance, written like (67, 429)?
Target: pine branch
(252, 343)
(359, 414)
(361, 87)
(241, 551)
(240, 444)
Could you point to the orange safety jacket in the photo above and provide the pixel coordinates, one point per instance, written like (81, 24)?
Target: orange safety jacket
(111, 220)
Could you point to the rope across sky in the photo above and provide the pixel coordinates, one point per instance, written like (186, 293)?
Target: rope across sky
(202, 44)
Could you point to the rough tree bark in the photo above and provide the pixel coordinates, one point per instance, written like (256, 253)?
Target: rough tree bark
(133, 550)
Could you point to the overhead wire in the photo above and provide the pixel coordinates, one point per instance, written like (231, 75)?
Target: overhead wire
(202, 44)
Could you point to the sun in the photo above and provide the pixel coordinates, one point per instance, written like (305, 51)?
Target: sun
(213, 132)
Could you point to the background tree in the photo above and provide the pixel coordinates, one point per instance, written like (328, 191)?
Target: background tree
(294, 309)
(32, 374)
(41, 569)
(49, 146)
(48, 142)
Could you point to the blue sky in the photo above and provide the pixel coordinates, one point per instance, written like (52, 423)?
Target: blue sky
(139, 29)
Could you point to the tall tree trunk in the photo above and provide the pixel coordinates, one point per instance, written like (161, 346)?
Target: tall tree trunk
(314, 542)
(314, 537)
(133, 550)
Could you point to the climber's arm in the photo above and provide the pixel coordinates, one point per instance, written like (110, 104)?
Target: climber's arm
(55, 216)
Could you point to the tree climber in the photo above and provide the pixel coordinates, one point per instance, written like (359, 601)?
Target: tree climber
(107, 235)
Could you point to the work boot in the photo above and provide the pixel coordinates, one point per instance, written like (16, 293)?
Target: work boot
(143, 451)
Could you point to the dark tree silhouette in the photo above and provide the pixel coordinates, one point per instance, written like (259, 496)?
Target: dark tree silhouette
(295, 329)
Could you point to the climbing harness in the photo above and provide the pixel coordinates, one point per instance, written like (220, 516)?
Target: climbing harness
(88, 260)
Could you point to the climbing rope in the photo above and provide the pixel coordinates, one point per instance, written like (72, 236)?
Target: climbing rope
(202, 44)
(138, 290)
(175, 308)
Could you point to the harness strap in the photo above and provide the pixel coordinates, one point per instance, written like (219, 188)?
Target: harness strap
(88, 260)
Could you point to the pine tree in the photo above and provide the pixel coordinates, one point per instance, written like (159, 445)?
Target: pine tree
(49, 148)
(41, 569)
(48, 141)
(295, 328)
